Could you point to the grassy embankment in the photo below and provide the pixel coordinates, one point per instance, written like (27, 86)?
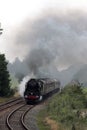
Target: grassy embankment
(68, 109)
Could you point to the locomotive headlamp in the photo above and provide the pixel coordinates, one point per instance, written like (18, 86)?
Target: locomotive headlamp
(26, 96)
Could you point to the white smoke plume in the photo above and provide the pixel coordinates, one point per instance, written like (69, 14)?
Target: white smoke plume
(21, 86)
(64, 36)
(52, 41)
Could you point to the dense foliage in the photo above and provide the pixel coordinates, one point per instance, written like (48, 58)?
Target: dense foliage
(4, 77)
(68, 106)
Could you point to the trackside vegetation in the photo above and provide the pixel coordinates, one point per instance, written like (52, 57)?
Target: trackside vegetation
(5, 86)
(69, 108)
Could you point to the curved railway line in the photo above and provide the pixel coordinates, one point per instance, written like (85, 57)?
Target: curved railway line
(16, 115)
(15, 120)
(12, 114)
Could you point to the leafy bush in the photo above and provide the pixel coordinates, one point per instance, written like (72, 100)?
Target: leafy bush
(64, 106)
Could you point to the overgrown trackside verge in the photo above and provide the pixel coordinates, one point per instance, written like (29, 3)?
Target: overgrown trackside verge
(69, 109)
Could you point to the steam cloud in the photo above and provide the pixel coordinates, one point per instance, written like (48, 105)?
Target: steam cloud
(51, 41)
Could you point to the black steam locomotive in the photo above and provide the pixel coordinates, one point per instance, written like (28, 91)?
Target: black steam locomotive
(37, 89)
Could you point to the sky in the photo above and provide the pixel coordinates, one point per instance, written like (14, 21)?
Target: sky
(23, 21)
(14, 11)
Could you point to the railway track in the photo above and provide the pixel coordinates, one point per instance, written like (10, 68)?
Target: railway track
(10, 103)
(16, 115)
(5, 109)
(12, 114)
(15, 120)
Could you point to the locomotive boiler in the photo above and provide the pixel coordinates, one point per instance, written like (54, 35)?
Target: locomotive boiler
(37, 89)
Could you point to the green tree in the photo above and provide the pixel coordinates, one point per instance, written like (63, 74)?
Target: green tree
(4, 77)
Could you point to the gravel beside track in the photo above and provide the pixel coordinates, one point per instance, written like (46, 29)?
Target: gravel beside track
(31, 117)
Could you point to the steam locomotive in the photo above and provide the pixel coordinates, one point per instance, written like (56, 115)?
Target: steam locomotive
(37, 89)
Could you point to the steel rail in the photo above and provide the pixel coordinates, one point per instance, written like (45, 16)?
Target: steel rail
(23, 116)
(10, 103)
(9, 116)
